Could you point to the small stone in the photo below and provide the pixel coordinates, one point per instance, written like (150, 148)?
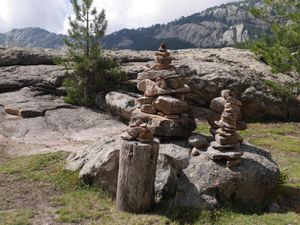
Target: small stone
(148, 109)
(212, 117)
(234, 101)
(274, 207)
(162, 67)
(195, 152)
(145, 100)
(217, 104)
(161, 114)
(198, 141)
(127, 137)
(226, 93)
(232, 147)
(12, 111)
(221, 123)
(228, 140)
(142, 140)
(144, 125)
(217, 155)
(163, 54)
(240, 125)
(232, 163)
(164, 60)
(172, 117)
(175, 83)
(213, 131)
(161, 82)
(136, 131)
(148, 135)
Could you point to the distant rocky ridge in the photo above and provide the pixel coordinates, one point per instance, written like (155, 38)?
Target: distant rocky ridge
(220, 26)
(32, 37)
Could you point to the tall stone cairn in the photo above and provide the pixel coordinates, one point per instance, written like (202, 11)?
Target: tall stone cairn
(163, 106)
(227, 141)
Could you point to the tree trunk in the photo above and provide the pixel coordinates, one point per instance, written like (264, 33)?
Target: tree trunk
(137, 167)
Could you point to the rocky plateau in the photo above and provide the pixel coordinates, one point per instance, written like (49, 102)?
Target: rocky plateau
(35, 119)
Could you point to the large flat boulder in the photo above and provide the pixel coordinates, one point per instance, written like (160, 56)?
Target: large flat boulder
(206, 183)
(11, 56)
(42, 76)
(29, 103)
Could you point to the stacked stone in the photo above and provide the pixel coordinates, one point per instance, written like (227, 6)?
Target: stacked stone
(163, 104)
(138, 131)
(217, 106)
(227, 141)
(163, 58)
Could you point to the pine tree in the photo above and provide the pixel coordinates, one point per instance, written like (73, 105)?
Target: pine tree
(89, 70)
(281, 49)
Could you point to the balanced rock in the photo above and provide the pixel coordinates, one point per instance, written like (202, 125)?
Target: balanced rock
(198, 141)
(170, 105)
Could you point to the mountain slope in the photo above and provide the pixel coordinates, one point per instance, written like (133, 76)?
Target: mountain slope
(219, 26)
(32, 37)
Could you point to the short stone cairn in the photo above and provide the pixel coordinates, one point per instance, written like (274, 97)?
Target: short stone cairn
(217, 106)
(227, 141)
(138, 131)
(163, 58)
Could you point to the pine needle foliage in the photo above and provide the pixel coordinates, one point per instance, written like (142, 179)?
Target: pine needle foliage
(89, 70)
(281, 49)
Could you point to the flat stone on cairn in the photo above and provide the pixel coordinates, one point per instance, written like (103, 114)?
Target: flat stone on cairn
(227, 144)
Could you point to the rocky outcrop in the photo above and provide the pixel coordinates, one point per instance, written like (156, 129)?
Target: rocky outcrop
(205, 183)
(33, 116)
(29, 103)
(30, 68)
(195, 182)
(11, 56)
(208, 71)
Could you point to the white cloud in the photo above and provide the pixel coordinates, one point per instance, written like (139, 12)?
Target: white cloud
(52, 15)
(143, 13)
(33, 13)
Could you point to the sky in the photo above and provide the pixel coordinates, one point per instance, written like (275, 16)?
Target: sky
(53, 14)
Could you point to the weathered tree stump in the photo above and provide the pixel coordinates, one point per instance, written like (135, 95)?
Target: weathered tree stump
(137, 167)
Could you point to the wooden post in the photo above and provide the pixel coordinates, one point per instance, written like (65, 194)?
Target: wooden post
(137, 167)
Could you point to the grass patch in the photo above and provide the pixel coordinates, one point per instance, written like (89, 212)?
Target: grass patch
(282, 143)
(15, 217)
(43, 167)
(80, 204)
